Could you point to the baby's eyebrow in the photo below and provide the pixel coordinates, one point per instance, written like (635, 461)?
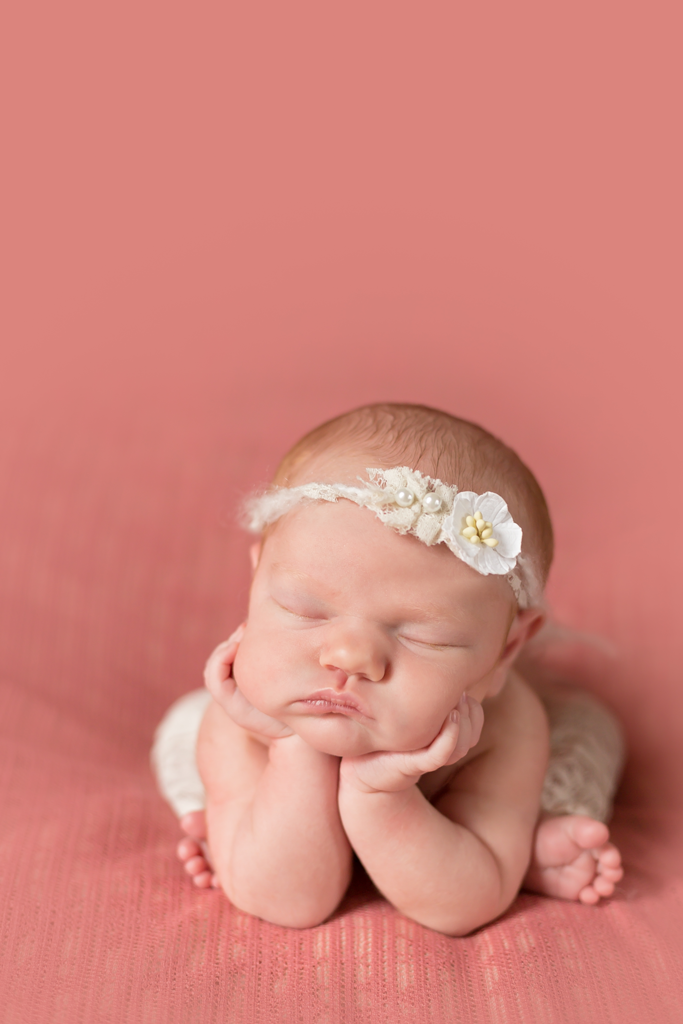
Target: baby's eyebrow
(319, 588)
(425, 619)
(289, 570)
(448, 631)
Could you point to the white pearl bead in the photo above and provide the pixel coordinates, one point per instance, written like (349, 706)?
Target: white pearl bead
(431, 502)
(404, 498)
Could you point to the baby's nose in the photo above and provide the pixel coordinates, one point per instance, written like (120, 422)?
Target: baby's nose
(337, 676)
(355, 652)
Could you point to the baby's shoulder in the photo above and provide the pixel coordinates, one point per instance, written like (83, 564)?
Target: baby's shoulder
(515, 716)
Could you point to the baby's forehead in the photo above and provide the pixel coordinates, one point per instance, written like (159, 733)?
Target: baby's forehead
(341, 550)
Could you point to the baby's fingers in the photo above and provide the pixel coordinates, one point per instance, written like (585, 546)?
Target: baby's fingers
(471, 723)
(437, 753)
(225, 652)
(221, 685)
(219, 666)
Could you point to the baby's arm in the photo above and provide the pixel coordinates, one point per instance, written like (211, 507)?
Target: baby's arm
(458, 864)
(276, 840)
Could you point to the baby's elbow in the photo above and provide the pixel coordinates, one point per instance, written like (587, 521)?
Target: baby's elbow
(458, 921)
(304, 914)
(458, 926)
(484, 915)
(304, 917)
(288, 910)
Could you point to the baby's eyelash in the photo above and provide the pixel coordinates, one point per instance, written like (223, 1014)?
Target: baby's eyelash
(434, 647)
(298, 615)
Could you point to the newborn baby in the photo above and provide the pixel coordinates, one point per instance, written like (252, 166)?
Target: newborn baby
(370, 703)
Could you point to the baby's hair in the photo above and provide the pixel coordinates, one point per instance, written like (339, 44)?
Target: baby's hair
(455, 451)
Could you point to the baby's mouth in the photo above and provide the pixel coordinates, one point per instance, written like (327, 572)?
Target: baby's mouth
(325, 702)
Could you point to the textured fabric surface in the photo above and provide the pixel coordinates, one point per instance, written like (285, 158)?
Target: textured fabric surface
(118, 578)
(221, 225)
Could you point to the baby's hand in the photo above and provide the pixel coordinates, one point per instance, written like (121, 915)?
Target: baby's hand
(223, 688)
(388, 772)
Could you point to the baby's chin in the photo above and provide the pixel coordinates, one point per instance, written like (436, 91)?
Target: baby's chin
(335, 734)
(342, 736)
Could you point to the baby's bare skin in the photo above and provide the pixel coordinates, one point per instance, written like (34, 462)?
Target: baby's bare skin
(572, 857)
(431, 771)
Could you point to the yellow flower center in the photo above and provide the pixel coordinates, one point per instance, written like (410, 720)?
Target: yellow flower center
(478, 531)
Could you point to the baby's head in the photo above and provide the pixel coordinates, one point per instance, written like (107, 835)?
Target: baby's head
(345, 608)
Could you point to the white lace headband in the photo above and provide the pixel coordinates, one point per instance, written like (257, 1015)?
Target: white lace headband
(478, 528)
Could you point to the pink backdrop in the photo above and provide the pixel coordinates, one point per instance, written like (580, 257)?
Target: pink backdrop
(223, 223)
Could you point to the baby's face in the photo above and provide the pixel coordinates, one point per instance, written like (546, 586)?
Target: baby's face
(362, 639)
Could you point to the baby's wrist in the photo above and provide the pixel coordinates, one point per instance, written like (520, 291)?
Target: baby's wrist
(285, 749)
(352, 781)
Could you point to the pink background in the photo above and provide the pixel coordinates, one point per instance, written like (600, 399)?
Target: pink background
(221, 224)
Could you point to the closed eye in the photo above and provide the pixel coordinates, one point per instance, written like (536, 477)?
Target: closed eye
(431, 646)
(299, 615)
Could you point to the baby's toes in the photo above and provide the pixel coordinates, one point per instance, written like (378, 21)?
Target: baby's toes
(610, 874)
(589, 896)
(196, 866)
(194, 824)
(204, 880)
(187, 848)
(609, 865)
(608, 856)
(195, 861)
(603, 886)
(587, 832)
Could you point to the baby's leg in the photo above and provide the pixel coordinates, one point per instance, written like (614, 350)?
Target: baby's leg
(572, 857)
(175, 766)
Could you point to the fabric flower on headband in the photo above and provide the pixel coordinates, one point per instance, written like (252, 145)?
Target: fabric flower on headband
(481, 531)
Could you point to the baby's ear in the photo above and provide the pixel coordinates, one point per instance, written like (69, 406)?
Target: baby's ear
(535, 619)
(254, 554)
(525, 624)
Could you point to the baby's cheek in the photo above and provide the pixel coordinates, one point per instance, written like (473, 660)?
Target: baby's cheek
(418, 723)
(257, 670)
(248, 669)
(417, 735)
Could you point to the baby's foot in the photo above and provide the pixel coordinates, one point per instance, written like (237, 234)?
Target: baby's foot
(193, 851)
(573, 859)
